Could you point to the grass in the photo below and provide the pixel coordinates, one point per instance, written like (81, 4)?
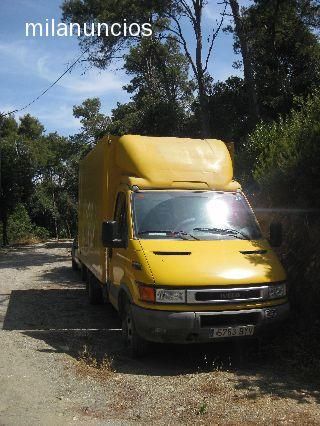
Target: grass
(202, 409)
(88, 365)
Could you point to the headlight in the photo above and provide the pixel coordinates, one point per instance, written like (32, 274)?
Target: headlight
(277, 291)
(170, 296)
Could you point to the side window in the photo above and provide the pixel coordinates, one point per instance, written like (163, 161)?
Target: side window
(120, 216)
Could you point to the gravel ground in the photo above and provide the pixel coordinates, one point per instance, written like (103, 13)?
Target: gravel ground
(62, 362)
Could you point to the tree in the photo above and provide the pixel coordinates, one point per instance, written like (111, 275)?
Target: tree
(126, 119)
(284, 51)
(166, 16)
(8, 132)
(105, 48)
(159, 70)
(161, 95)
(17, 164)
(230, 110)
(179, 11)
(94, 123)
(52, 203)
(160, 88)
(247, 61)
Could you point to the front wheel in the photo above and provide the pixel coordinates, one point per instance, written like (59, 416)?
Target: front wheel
(135, 345)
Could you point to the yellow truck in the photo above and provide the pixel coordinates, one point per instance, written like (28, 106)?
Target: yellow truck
(169, 239)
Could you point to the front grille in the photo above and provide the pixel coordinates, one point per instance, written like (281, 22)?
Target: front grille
(206, 296)
(251, 318)
(227, 295)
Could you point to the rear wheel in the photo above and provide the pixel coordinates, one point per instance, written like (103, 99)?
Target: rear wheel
(94, 290)
(75, 266)
(135, 344)
(83, 272)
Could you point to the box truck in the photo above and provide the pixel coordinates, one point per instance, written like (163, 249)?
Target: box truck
(169, 239)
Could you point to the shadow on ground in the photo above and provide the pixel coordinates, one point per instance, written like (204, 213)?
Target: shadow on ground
(56, 309)
(59, 244)
(60, 276)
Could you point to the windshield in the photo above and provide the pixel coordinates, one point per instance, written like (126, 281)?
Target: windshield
(196, 215)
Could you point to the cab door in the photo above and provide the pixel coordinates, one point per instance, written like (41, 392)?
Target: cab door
(118, 256)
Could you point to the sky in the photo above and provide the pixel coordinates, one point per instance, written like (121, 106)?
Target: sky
(28, 65)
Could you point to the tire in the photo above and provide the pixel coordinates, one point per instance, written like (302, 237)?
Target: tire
(84, 276)
(135, 345)
(84, 272)
(105, 294)
(75, 266)
(94, 290)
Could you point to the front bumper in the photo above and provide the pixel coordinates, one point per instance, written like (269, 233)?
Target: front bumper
(191, 327)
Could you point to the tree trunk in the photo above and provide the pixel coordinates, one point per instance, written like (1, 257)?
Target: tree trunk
(55, 216)
(68, 229)
(247, 62)
(4, 220)
(203, 98)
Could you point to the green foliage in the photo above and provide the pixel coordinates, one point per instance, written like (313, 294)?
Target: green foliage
(284, 52)
(40, 233)
(202, 409)
(154, 118)
(19, 224)
(160, 88)
(126, 119)
(285, 155)
(21, 229)
(17, 163)
(40, 172)
(94, 123)
(229, 110)
(106, 48)
(53, 202)
(159, 71)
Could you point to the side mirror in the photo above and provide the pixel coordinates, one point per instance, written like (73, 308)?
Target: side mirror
(109, 234)
(275, 238)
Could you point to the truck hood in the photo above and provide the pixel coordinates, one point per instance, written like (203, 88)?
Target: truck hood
(219, 262)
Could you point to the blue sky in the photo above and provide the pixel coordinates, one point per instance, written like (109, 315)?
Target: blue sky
(28, 65)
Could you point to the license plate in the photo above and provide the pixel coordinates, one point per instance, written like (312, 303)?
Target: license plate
(241, 330)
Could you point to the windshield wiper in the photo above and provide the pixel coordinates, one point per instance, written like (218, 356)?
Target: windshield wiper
(226, 231)
(183, 235)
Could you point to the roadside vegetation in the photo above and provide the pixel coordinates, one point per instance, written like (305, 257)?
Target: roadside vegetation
(88, 365)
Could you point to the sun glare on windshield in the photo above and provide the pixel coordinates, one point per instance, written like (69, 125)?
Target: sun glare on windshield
(218, 212)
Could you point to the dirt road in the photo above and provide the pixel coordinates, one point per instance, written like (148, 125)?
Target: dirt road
(62, 362)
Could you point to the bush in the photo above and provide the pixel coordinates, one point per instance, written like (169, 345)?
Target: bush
(41, 233)
(19, 225)
(22, 230)
(285, 155)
